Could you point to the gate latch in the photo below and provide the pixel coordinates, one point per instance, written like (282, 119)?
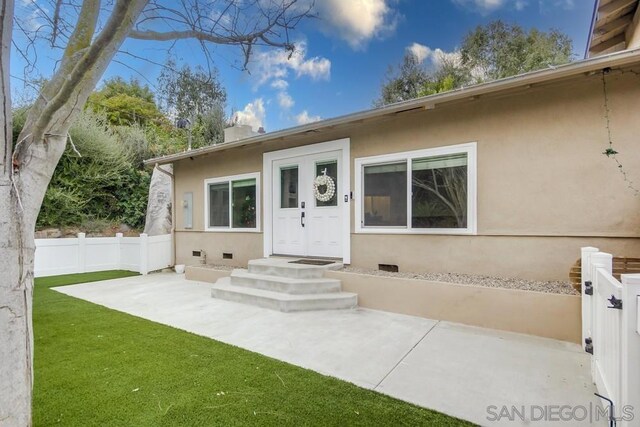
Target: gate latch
(588, 287)
(588, 345)
(615, 303)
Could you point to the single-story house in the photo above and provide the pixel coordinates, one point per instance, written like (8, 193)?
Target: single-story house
(506, 178)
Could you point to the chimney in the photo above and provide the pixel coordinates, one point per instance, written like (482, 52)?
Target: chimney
(238, 132)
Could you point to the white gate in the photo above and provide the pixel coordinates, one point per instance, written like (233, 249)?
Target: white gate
(611, 333)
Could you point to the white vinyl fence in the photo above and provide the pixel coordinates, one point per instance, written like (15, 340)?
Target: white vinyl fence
(611, 333)
(86, 254)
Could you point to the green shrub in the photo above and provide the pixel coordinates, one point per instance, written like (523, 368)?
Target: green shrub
(107, 182)
(93, 185)
(132, 196)
(135, 142)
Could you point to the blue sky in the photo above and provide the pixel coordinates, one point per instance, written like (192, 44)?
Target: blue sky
(342, 57)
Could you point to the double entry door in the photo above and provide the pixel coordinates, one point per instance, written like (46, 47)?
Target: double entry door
(307, 221)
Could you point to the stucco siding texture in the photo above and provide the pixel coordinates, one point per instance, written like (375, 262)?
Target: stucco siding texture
(544, 187)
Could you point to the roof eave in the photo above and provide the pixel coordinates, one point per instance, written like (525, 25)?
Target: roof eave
(594, 18)
(428, 102)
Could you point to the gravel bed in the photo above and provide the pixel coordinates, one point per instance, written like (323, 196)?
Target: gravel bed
(554, 287)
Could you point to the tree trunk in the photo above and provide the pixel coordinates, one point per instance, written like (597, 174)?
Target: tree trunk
(16, 264)
(26, 169)
(25, 177)
(16, 371)
(20, 203)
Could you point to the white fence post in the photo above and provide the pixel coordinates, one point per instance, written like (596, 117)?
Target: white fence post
(119, 250)
(82, 253)
(601, 260)
(586, 302)
(144, 254)
(630, 370)
(605, 261)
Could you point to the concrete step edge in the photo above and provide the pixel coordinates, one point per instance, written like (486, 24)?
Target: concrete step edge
(228, 287)
(246, 274)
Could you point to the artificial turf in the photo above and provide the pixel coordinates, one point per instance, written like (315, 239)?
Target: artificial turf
(99, 367)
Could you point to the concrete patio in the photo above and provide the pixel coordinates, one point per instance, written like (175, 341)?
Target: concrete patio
(452, 368)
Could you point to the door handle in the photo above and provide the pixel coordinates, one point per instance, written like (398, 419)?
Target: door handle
(302, 219)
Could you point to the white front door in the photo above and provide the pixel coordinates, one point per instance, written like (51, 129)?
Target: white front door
(302, 224)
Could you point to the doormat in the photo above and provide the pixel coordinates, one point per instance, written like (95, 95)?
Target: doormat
(311, 262)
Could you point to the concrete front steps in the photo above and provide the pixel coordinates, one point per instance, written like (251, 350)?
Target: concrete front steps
(278, 284)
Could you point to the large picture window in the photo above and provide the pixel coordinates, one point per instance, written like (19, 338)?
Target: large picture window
(232, 203)
(423, 191)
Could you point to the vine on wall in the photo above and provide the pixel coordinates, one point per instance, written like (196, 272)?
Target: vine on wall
(610, 151)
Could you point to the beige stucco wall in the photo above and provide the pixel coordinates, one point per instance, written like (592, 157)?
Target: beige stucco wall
(533, 313)
(544, 187)
(546, 315)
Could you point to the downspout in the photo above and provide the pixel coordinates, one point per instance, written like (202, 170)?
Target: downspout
(173, 212)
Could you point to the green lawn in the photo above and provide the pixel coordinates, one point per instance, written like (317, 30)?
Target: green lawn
(99, 367)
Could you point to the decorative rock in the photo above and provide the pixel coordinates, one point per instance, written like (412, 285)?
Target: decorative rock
(158, 220)
(548, 286)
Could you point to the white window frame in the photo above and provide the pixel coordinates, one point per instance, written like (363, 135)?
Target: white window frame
(408, 156)
(229, 179)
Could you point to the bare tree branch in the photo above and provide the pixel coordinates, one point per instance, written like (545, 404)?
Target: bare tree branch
(198, 35)
(88, 45)
(6, 122)
(81, 68)
(56, 22)
(225, 23)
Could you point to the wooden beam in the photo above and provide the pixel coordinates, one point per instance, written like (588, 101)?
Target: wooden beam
(615, 10)
(604, 46)
(632, 29)
(605, 27)
(611, 29)
(613, 49)
(615, 6)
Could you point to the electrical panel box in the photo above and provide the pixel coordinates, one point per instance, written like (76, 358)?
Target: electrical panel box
(187, 210)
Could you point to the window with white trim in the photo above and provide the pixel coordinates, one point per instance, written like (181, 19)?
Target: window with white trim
(422, 191)
(232, 203)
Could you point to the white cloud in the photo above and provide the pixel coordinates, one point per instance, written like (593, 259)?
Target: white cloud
(304, 118)
(435, 58)
(440, 57)
(420, 51)
(358, 21)
(33, 17)
(488, 6)
(253, 114)
(547, 6)
(279, 84)
(219, 19)
(276, 64)
(285, 100)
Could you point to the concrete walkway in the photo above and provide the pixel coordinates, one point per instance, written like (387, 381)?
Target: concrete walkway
(456, 369)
